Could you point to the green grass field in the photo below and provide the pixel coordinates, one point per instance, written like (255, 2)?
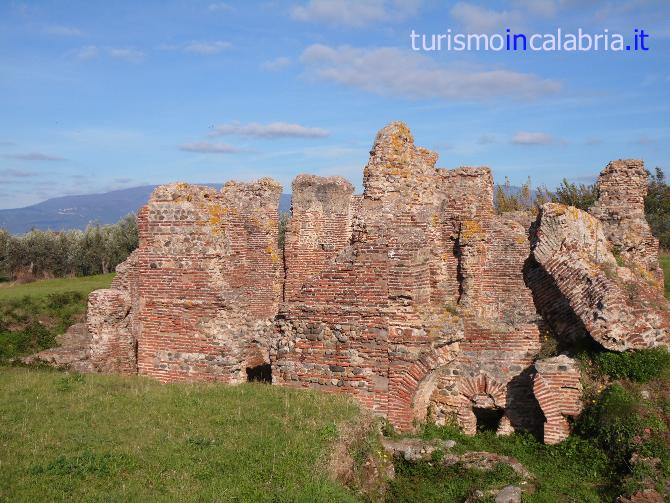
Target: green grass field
(82, 284)
(67, 437)
(665, 263)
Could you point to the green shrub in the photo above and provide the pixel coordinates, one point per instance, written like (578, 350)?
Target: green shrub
(34, 337)
(425, 482)
(639, 366)
(30, 323)
(621, 423)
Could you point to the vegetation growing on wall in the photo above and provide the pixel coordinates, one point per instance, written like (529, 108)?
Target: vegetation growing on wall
(582, 196)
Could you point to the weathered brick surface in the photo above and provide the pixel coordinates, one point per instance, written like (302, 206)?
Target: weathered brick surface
(320, 227)
(414, 297)
(622, 187)
(557, 386)
(366, 324)
(112, 340)
(620, 309)
(428, 265)
(200, 293)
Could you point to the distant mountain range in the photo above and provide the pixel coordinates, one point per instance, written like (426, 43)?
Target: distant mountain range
(76, 212)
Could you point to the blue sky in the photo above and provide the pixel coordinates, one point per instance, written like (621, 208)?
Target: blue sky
(102, 95)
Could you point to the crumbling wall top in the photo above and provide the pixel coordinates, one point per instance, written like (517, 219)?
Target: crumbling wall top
(326, 192)
(396, 164)
(622, 187)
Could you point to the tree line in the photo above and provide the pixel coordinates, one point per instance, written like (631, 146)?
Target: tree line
(583, 196)
(46, 254)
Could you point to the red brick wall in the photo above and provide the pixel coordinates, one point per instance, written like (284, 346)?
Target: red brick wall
(557, 386)
(418, 251)
(622, 187)
(209, 280)
(320, 227)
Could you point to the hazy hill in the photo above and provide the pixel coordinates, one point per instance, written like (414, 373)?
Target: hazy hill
(76, 212)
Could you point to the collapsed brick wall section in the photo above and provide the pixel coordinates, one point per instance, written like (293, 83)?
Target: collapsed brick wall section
(620, 309)
(557, 386)
(113, 344)
(622, 187)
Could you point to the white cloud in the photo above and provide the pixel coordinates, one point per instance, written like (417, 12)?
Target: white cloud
(531, 138)
(354, 13)
(544, 8)
(486, 139)
(63, 31)
(396, 72)
(17, 173)
(86, 53)
(276, 64)
(476, 19)
(213, 47)
(35, 156)
(219, 7)
(272, 130)
(209, 148)
(126, 54)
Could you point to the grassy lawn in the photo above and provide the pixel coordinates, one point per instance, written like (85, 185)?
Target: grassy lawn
(665, 263)
(67, 437)
(82, 284)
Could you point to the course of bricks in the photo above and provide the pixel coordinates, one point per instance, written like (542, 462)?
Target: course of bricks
(415, 297)
(558, 388)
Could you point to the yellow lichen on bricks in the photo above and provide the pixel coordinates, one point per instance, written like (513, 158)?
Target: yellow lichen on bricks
(470, 229)
(216, 214)
(274, 256)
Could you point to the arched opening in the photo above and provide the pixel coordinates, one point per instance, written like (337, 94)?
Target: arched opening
(488, 419)
(260, 373)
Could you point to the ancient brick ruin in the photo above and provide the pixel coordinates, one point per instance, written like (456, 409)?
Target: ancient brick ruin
(415, 297)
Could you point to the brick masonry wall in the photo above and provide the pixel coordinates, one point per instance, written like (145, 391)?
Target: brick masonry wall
(428, 265)
(502, 335)
(622, 187)
(414, 297)
(620, 309)
(557, 386)
(319, 228)
(201, 292)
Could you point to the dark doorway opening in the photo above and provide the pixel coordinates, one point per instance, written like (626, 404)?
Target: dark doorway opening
(488, 419)
(260, 373)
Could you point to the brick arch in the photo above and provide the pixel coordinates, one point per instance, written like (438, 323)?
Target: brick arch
(479, 391)
(410, 386)
(483, 386)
